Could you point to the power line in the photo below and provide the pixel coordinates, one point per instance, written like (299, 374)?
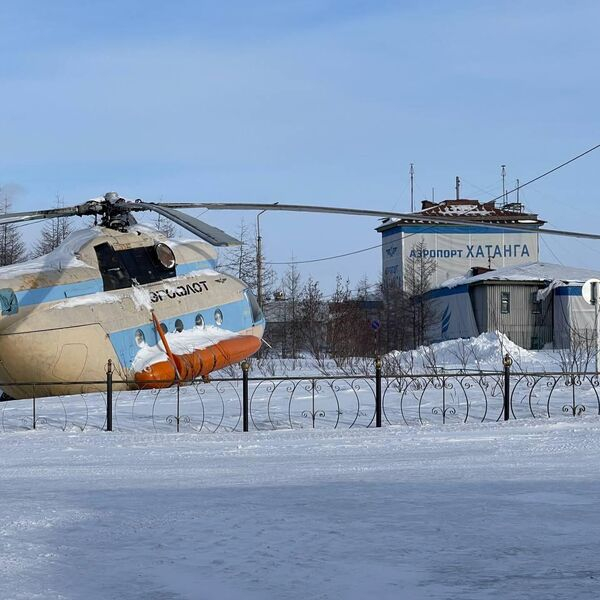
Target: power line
(521, 186)
(551, 251)
(314, 260)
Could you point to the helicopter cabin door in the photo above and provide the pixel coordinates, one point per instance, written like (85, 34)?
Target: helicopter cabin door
(71, 362)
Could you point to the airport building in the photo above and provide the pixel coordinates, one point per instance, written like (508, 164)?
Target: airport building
(459, 250)
(536, 305)
(483, 278)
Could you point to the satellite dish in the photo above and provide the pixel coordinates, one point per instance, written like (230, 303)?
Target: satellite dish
(591, 290)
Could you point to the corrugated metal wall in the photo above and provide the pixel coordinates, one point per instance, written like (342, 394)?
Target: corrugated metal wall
(527, 324)
(478, 295)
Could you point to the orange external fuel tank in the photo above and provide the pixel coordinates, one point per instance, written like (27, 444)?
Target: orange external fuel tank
(186, 367)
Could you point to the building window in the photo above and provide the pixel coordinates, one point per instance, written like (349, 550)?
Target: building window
(505, 303)
(536, 305)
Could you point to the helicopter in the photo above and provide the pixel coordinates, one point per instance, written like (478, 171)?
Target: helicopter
(120, 291)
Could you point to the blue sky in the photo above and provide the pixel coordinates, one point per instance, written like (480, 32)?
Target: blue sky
(303, 102)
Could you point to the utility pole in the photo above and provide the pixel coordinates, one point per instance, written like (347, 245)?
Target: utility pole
(457, 187)
(412, 180)
(596, 301)
(259, 286)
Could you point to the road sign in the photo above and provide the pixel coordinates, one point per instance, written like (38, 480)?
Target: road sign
(375, 324)
(590, 290)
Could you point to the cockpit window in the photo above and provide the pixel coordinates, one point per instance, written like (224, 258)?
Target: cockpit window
(144, 266)
(257, 313)
(119, 267)
(8, 302)
(114, 274)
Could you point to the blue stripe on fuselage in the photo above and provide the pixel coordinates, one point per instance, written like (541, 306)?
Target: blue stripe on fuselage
(90, 286)
(237, 316)
(58, 292)
(195, 266)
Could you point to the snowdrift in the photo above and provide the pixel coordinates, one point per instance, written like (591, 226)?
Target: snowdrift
(484, 352)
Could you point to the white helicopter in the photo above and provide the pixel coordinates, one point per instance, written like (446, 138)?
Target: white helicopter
(122, 291)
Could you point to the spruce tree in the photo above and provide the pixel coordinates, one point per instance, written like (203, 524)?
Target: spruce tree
(241, 262)
(164, 225)
(12, 246)
(53, 233)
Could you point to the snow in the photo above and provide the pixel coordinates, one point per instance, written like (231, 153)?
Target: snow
(463, 510)
(141, 298)
(482, 353)
(180, 342)
(60, 258)
(462, 209)
(470, 512)
(205, 273)
(93, 299)
(535, 271)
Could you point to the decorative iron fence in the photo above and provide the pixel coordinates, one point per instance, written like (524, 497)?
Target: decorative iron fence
(259, 403)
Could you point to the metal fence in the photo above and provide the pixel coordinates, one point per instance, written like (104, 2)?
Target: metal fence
(260, 403)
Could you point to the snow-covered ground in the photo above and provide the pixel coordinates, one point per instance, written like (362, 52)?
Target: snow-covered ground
(479, 511)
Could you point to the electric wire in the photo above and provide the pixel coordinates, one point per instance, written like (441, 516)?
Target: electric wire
(564, 164)
(551, 251)
(381, 245)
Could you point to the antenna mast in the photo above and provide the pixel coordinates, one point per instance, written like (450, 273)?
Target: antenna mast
(457, 187)
(412, 181)
(259, 266)
(503, 174)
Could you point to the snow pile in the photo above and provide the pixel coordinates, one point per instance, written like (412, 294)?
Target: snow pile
(183, 342)
(484, 352)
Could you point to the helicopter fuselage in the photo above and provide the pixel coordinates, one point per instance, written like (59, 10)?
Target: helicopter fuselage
(157, 308)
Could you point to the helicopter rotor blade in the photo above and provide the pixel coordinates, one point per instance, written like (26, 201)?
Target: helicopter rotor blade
(52, 213)
(213, 235)
(417, 219)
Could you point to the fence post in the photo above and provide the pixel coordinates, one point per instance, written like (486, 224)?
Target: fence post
(33, 407)
(507, 362)
(109, 396)
(245, 369)
(377, 391)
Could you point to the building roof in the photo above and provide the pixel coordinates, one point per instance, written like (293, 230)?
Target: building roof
(471, 210)
(530, 272)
